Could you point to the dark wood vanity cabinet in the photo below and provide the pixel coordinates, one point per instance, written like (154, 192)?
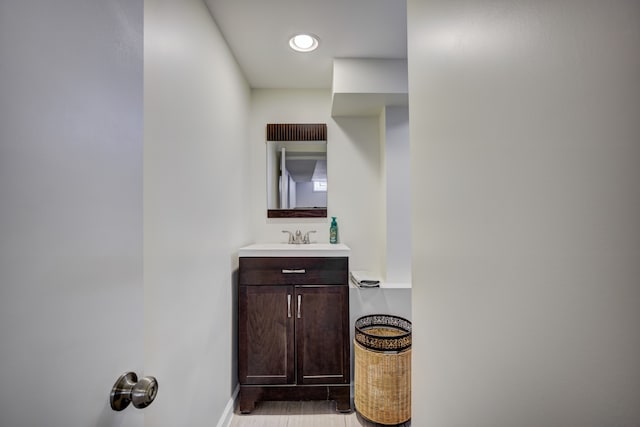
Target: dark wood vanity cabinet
(293, 330)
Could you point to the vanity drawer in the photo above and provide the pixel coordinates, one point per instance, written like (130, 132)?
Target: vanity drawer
(294, 271)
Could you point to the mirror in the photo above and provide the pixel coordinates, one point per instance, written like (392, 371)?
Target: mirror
(296, 173)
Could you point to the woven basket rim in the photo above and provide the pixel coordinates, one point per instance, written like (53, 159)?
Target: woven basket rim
(363, 331)
(377, 342)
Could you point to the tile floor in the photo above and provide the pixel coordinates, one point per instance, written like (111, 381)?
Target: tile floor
(301, 414)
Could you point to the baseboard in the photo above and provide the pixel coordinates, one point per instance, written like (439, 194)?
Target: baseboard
(227, 414)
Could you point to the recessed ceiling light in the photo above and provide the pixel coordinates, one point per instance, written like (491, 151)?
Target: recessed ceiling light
(304, 42)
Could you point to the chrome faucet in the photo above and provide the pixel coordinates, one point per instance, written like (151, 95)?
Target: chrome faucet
(291, 239)
(306, 239)
(297, 238)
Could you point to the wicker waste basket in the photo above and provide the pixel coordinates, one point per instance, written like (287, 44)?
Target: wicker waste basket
(382, 374)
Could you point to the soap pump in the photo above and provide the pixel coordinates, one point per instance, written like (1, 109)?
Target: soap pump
(333, 231)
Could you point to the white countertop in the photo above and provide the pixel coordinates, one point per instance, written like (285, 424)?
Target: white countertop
(291, 250)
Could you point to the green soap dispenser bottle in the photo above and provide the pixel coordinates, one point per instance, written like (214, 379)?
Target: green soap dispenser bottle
(333, 231)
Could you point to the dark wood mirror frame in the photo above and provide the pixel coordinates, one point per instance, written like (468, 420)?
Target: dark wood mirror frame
(297, 132)
(297, 213)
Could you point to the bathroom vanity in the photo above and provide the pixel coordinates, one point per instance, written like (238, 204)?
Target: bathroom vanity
(293, 324)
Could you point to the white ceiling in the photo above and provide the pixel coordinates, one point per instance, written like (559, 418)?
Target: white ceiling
(258, 32)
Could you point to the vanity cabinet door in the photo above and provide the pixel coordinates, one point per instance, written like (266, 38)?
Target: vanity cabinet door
(266, 335)
(322, 334)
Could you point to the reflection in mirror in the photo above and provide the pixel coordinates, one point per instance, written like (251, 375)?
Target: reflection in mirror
(296, 170)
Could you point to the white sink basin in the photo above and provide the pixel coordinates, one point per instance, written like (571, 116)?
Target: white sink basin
(289, 250)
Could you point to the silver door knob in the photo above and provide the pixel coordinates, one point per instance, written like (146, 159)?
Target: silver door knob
(128, 389)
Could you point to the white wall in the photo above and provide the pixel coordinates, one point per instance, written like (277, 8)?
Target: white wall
(369, 75)
(196, 211)
(398, 196)
(355, 193)
(364, 86)
(525, 150)
(70, 210)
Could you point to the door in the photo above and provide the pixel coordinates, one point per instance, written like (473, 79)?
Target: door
(266, 335)
(71, 289)
(322, 334)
